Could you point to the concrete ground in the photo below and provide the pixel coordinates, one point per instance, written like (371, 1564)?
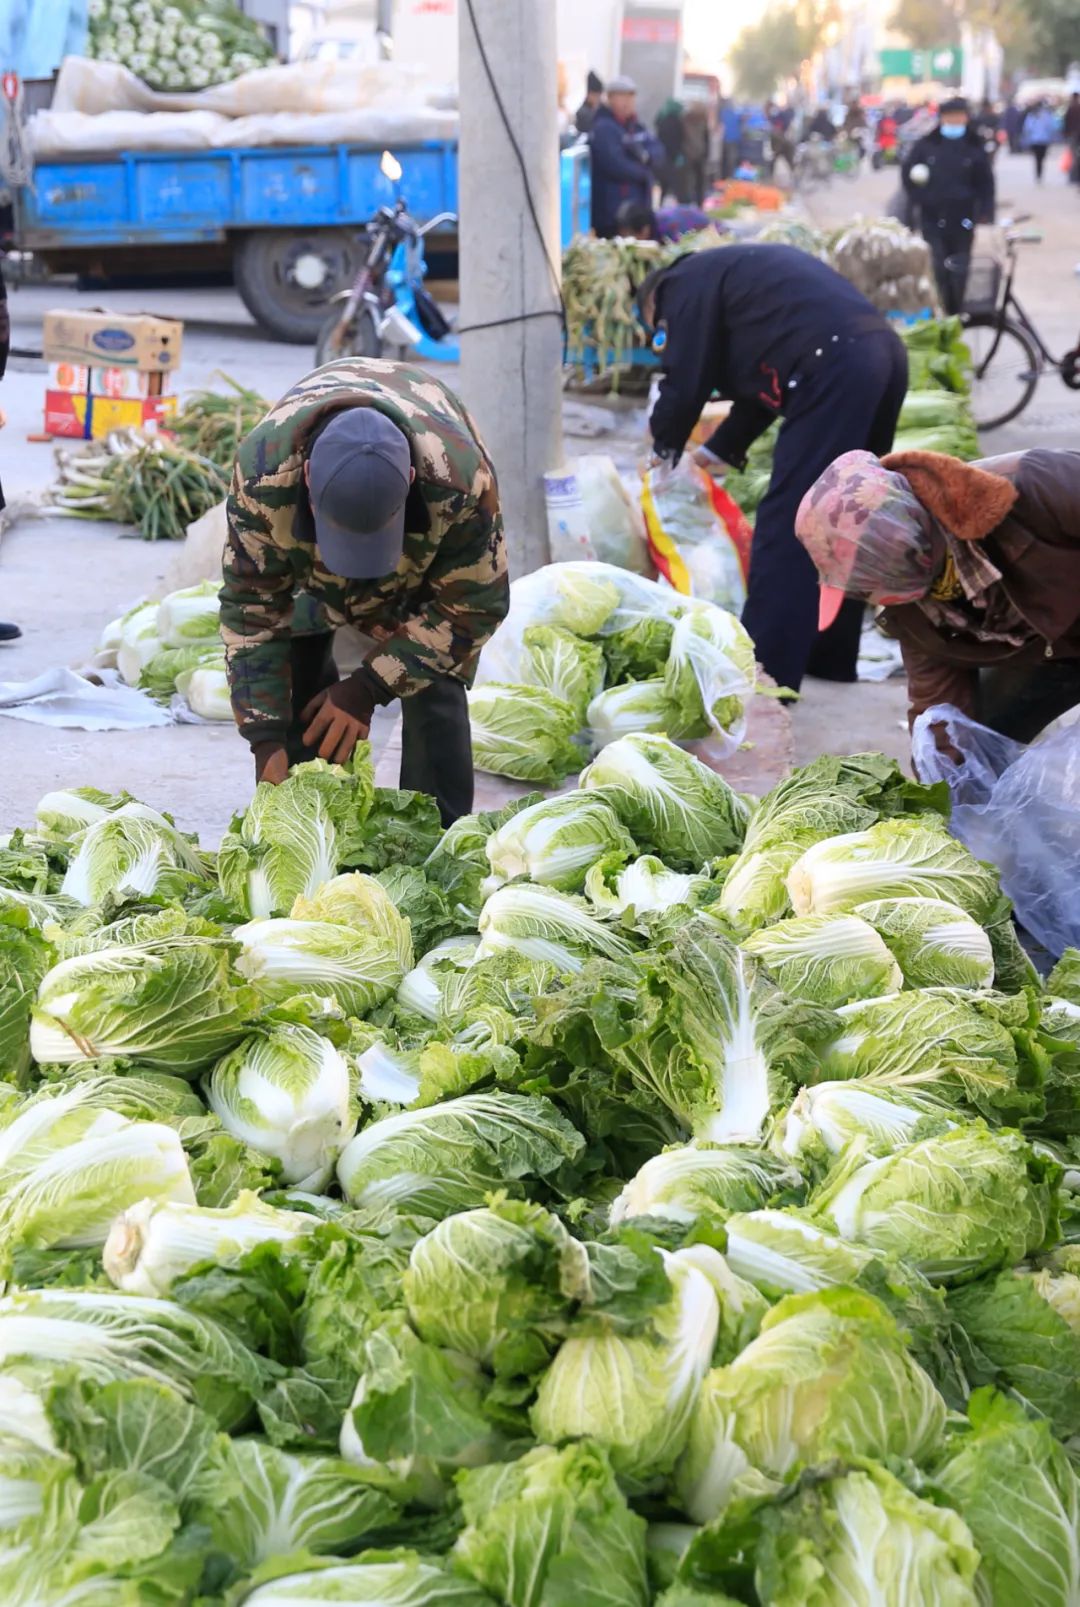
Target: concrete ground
(62, 580)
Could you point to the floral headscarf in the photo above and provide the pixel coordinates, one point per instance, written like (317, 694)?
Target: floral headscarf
(868, 533)
(871, 537)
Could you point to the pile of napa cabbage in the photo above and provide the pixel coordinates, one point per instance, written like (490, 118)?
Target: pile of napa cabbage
(641, 1195)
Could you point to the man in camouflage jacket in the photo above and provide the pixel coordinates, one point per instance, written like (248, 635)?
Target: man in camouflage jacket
(366, 498)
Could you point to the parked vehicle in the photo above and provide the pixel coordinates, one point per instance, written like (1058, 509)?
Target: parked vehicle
(387, 307)
(285, 219)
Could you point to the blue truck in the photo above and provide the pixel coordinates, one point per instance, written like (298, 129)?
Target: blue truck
(287, 219)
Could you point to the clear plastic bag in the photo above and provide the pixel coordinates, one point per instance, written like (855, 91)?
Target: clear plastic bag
(599, 601)
(697, 537)
(1017, 807)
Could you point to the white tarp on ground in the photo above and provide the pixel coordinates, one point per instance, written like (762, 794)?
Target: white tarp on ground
(60, 697)
(101, 106)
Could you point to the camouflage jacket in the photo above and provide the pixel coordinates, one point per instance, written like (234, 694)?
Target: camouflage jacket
(446, 596)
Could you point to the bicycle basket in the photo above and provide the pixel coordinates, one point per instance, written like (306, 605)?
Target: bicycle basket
(982, 292)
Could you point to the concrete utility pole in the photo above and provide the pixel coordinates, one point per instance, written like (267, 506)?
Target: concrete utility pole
(511, 375)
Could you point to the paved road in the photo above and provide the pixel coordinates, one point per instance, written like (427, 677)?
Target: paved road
(1046, 284)
(64, 579)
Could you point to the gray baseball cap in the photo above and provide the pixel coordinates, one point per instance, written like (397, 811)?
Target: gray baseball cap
(358, 482)
(621, 86)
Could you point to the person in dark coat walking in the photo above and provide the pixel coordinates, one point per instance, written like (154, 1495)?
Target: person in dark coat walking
(670, 131)
(585, 115)
(695, 154)
(976, 567)
(950, 181)
(1012, 121)
(626, 158)
(1071, 131)
(783, 336)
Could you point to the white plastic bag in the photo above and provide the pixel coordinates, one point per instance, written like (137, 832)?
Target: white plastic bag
(1017, 807)
(689, 541)
(615, 521)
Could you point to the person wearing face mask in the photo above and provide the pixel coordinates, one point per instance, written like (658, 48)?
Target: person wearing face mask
(949, 180)
(976, 567)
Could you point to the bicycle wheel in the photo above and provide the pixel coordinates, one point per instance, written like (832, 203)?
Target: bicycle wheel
(1005, 369)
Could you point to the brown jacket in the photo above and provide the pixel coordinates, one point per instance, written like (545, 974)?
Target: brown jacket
(1024, 510)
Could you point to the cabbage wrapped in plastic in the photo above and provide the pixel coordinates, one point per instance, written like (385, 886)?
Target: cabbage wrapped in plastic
(634, 706)
(523, 732)
(710, 676)
(563, 664)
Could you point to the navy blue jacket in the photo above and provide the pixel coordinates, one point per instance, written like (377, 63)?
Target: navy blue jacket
(739, 321)
(624, 158)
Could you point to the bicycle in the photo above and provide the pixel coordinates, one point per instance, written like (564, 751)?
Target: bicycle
(1008, 355)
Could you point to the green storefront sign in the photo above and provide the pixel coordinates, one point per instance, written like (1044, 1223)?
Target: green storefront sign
(943, 64)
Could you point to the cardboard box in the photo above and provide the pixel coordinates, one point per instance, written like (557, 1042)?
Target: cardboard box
(66, 376)
(86, 417)
(129, 382)
(113, 340)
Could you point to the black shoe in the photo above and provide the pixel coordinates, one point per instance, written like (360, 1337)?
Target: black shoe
(9, 633)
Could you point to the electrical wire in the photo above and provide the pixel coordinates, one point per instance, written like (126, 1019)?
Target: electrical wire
(547, 312)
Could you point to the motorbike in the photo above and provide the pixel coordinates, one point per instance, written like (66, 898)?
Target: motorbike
(387, 311)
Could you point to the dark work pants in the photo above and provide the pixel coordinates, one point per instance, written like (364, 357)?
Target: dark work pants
(950, 233)
(1018, 700)
(436, 747)
(848, 398)
(1039, 153)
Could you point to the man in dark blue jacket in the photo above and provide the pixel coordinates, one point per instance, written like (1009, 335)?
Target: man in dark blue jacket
(782, 336)
(626, 158)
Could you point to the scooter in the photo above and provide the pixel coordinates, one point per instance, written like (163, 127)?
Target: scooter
(387, 311)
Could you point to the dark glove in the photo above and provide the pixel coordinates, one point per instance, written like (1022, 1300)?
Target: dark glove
(340, 717)
(271, 762)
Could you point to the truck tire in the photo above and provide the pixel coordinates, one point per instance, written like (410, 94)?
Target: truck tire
(362, 339)
(265, 266)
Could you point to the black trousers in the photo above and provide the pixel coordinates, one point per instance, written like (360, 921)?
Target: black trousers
(1018, 700)
(848, 398)
(1039, 153)
(950, 235)
(436, 746)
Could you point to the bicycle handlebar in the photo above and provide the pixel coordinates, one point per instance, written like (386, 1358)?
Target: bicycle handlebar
(1017, 237)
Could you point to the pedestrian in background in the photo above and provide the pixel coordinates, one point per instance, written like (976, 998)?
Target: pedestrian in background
(1040, 132)
(670, 130)
(1012, 121)
(949, 180)
(626, 158)
(731, 125)
(1071, 130)
(586, 112)
(695, 153)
